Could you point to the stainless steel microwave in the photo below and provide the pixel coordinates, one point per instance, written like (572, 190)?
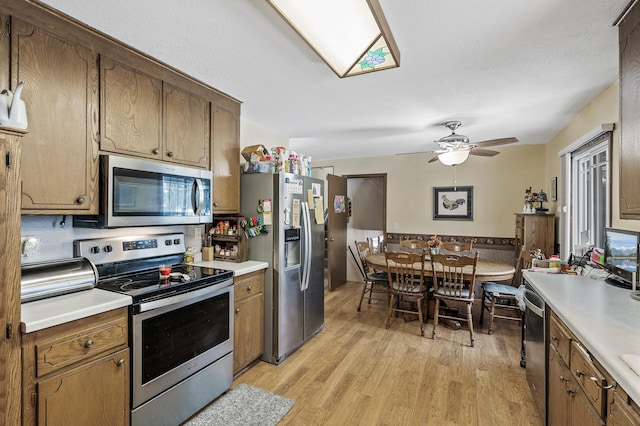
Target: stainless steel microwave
(135, 192)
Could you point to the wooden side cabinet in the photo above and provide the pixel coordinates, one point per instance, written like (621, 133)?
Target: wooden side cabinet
(78, 372)
(10, 145)
(248, 320)
(535, 231)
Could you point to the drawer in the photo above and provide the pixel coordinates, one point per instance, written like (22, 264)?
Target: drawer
(248, 285)
(560, 338)
(80, 341)
(519, 221)
(588, 376)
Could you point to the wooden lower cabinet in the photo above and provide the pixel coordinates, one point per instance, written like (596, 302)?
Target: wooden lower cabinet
(576, 386)
(77, 372)
(622, 410)
(248, 320)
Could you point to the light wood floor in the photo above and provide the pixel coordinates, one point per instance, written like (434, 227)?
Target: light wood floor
(356, 372)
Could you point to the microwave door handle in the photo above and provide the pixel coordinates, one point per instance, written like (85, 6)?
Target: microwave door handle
(197, 208)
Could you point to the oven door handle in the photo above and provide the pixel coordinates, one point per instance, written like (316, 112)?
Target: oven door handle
(170, 300)
(199, 202)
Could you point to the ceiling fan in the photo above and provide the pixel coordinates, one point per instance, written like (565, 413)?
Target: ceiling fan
(455, 148)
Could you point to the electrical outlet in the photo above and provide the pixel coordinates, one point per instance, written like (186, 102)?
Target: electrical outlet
(395, 226)
(197, 232)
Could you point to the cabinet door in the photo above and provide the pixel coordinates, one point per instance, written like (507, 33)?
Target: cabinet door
(629, 34)
(248, 331)
(131, 111)
(225, 160)
(558, 397)
(92, 394)
(582, 413)
(10, 273)
(60, 152)
(186, 128)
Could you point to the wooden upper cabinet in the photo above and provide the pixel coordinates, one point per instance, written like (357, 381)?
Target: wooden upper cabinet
(60, 152)
(225, 159)
(130, 110)
(5, 45)
(186, 127)
(629, 42)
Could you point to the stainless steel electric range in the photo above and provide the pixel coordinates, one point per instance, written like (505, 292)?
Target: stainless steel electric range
(180, 327)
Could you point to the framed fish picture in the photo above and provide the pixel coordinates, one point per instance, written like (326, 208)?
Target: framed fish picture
(453, 203)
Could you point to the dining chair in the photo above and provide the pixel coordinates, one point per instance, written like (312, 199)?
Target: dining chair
(374, 282)
(454, 277)
(455, 247)
(502, 297)
(413, 246)
(405, 273)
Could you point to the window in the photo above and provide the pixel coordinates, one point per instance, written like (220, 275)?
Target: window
(590, 189)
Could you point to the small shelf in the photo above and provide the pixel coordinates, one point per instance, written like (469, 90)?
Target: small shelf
(228, 248)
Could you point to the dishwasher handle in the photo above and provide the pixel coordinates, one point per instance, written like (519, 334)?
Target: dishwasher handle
(534, 303)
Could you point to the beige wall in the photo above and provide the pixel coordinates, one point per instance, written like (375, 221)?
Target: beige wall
(498, 182)
(604, 109)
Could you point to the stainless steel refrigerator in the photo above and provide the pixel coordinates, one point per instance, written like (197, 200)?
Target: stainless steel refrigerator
(294, 248)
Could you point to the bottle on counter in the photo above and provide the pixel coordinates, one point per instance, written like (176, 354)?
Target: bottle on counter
(189, 255)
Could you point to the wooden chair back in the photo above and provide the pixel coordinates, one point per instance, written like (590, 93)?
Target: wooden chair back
(405, 272)
(457, 247)
(413, 246)
(523, 262)
(363, 252)
(450, 278)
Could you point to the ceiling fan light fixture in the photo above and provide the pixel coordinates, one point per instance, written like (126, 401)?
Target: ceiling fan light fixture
(351, 36)
(453, 158)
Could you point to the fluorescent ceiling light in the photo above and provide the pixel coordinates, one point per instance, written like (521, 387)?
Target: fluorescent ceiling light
(351, 36)
(452, 158)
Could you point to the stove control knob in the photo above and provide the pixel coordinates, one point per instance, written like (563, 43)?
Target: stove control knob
(167, 242)
(176, 241)
(95, 249)
(108, 248)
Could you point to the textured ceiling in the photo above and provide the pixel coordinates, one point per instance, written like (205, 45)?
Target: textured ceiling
(504, 68)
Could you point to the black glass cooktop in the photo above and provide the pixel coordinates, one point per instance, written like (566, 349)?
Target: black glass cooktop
(148, 283)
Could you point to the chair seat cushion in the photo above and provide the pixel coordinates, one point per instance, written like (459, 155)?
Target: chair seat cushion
(463, 294)
(378, 276)
(499, 290)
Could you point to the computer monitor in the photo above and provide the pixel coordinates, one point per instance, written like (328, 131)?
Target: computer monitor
(621, 254)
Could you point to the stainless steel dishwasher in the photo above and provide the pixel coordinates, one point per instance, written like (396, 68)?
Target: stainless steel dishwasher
(534, 318)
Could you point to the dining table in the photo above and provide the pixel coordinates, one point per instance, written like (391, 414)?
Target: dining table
(486, 269)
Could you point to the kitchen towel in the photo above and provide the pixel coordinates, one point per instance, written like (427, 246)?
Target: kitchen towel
(244, 405)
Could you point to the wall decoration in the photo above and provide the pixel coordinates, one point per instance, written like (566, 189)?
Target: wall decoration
(554, 189)
(338, 204)
(453, 203)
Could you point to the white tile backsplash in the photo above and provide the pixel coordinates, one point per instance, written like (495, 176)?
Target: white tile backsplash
(56, 242)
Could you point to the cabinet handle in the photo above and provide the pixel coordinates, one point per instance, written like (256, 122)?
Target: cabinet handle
(215, 204)
(249, 288)
(237, 310)
(570, 392)
(170, 154)
(88, 344)
(562, 379)
(80, 200)
(597, 381)
(555, 339)
(156, 151)
(579, 373)
(120, 362)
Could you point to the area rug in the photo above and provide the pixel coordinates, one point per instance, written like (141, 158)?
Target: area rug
(244, 405)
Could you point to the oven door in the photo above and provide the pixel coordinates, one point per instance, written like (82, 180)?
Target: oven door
(141, 193)
(174, 341)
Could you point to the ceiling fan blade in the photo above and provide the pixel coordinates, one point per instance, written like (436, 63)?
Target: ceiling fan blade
(434, 159)
(495, 142)
(484, 152)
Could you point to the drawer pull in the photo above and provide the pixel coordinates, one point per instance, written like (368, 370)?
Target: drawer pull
(170, 154)
(597, 381)
(579, 373)
(120, 362)
(237, 310)
(249, 288)
(562, 379)
(156, 151)
(88, 344)
(570, 392)
(555, 339)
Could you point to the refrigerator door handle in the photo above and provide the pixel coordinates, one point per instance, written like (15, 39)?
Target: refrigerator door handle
(307, 246)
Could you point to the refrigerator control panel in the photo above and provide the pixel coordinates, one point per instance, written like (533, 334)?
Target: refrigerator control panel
(292, 234)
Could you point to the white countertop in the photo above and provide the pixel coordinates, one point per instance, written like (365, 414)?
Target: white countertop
(238, 268)
(53, 311)
(603, 317)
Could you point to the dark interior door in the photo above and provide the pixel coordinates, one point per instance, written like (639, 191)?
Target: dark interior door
(337, 231)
